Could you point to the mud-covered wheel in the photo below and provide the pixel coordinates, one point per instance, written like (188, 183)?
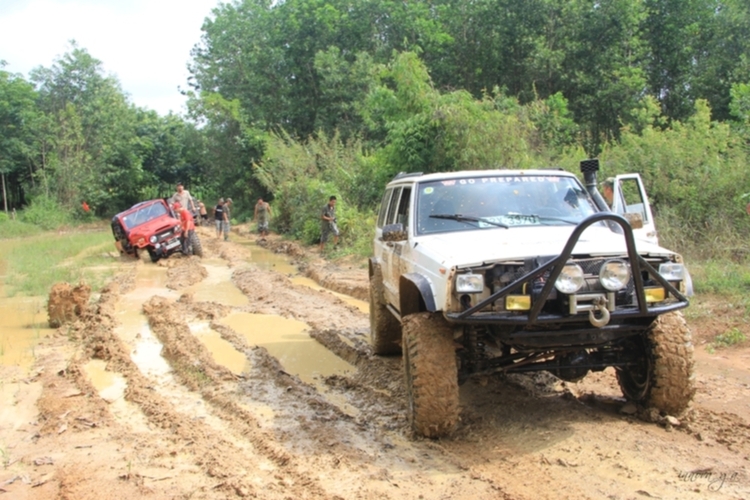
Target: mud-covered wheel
(385, 329)
(431, 374)
(664, 378)
(195, 244)
(153, 255)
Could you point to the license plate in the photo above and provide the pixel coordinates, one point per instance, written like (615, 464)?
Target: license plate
(172, 244)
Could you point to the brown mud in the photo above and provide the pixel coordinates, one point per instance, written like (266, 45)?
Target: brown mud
(224, 377)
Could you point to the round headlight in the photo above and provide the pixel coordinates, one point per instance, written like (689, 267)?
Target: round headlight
(614, 275)
(153, 239)
(570, 279)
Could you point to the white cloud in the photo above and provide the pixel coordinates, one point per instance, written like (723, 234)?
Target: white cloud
(145, 44)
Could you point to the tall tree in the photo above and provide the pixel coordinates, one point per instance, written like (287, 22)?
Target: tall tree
(18, 119)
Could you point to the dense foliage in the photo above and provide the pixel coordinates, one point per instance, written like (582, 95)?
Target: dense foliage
(295, 100)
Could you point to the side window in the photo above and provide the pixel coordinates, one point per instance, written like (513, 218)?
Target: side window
(384, 207)
(632, 198)
(392, 206)
(402, 217)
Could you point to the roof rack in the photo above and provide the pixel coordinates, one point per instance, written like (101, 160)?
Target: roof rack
(401, 175)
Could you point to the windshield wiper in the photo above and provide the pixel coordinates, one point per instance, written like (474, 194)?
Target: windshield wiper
(468, 218)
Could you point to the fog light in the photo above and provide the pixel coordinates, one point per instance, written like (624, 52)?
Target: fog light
(655, 294)
(614, 275)
(518, 302)
(570, 279)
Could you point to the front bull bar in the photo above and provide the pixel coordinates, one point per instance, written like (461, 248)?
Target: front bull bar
(637, 263)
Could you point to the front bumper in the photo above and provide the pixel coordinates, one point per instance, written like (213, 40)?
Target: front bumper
(624, 319)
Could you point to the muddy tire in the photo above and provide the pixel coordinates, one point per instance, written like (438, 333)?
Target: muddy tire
(431, 374)
(153, 255)
(195, 245)
(385, 329)
(664, 380)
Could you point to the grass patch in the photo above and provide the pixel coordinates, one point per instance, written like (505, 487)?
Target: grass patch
(17, 229)
(722, 277)
(35, 263)
(727, 339)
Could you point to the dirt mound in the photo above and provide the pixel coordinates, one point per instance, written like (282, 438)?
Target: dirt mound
(67, 303)
(185, 272)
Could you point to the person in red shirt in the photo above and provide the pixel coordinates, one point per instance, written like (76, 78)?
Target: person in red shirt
(188, 225)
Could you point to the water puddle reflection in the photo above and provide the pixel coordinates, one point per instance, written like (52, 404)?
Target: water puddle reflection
(359, 304)
(111, 388)
(222, 351)
(217, 286)
(23, 323)
(269, 261)
(287, 340)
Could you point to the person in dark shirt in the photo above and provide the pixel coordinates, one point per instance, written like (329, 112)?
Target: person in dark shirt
(328, 224)
(220, 217)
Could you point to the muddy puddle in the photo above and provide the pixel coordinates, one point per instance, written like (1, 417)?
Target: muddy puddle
(267, 260)
(217, 286)
(359, 304)
(23, 323)
(288, 341)
(222, 352)
(270, 261)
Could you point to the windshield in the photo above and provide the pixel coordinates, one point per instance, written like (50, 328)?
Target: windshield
(500, 201)
(143, 215)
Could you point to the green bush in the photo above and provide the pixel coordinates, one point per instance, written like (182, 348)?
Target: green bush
(4, 217)
(46, 213)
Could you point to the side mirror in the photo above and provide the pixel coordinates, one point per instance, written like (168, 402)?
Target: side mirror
(635, 219)
(394, 232)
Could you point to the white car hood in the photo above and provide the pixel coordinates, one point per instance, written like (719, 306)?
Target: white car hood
(473, 248)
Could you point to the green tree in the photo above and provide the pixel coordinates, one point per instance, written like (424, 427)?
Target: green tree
(18, 119)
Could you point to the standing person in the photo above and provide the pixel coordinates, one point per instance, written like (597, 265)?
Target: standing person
(608, 190)
(262, 216)
(220, 217)
(203, 213)
(328, 223)
(227, 217)
(182, 196)
(188, 226)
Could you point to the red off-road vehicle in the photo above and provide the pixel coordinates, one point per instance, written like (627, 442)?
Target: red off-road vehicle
(151, 225)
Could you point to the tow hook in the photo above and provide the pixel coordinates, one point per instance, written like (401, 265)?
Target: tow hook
(600, 304)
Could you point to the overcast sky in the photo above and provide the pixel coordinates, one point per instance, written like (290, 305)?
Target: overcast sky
(145, 44)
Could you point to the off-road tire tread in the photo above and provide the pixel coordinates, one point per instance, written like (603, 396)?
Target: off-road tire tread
(195, 244)
(670, 348)
(385, 329)
(431, 375)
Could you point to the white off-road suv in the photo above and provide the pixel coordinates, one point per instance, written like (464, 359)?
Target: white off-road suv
(481, 272)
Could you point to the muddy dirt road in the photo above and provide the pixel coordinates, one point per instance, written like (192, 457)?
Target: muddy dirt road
(237, 376)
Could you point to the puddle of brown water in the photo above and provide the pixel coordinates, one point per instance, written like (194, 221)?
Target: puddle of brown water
(222, 351)
(217, 286)
(359, 304)
(23, 323)
(110, 386)
(269, 261)
(287, 340)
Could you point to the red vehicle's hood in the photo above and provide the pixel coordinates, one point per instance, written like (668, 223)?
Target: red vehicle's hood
(152, 227)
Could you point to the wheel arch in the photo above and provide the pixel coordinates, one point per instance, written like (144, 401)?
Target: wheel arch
(415, 294)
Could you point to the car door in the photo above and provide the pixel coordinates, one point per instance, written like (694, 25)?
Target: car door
(629, 197)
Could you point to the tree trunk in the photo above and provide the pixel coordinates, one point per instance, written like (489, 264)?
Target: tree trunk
(5, 197)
